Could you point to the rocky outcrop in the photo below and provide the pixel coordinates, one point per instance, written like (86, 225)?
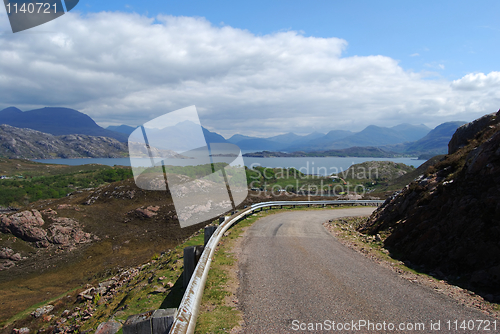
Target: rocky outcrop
(448, 220)
(26, 225)
(29, 225)
(66, 231)
(468, 131)
(9, 254)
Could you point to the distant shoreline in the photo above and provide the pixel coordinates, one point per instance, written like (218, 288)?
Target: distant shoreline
(309, 163)
(352, 152)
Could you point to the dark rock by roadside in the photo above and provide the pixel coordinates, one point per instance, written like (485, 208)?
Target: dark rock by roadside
(448, 219)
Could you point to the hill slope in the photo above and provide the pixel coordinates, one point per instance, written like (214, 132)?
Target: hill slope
(436, 141)
(125, 129)
(31, 144)
(57, 121)
(448, 219)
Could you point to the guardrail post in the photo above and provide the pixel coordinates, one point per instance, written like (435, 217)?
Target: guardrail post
(152, 322)
(191, 256)
(209, 230)
(221, 219)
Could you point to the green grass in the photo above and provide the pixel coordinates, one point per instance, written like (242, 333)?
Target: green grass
(27, 312)
(140, 294)
(221, 318)
(35, 181)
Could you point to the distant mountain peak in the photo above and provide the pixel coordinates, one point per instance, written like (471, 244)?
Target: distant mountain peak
(56, 121)
(126, 129)
(10, 110)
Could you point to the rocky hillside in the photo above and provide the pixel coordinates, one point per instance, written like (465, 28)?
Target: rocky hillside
(387, 189)
(57, 121)
(32, 144)
(376, 171)
(435, 142)
(447, 221)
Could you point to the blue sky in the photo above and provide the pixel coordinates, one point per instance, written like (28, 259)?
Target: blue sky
(261, 67)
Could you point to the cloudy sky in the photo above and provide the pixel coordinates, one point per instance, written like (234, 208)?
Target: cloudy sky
(260, 67)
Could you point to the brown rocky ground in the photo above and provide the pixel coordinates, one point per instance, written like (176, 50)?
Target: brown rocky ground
(52, 246)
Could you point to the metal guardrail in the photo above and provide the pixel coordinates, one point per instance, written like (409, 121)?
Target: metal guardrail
(185, 321)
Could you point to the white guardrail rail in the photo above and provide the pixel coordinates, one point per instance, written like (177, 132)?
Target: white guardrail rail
(185, 320)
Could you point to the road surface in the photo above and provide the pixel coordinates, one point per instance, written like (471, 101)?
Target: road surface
(295, 277)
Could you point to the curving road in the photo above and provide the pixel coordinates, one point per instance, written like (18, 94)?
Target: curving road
(295, 277)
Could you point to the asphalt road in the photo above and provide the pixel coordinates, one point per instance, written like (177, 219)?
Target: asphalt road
(295, 277)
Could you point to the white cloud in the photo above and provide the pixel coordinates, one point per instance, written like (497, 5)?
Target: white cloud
(126, 68)
(478, 82)
(415, 54)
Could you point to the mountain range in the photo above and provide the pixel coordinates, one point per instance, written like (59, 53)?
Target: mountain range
(404, 138)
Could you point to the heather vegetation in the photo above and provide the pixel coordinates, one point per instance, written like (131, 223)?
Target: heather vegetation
(29, 187)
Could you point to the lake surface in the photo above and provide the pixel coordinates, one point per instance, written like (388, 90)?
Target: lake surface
(319, 166)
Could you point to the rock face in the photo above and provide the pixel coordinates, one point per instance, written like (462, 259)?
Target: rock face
(448, 220)
(468, 131)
